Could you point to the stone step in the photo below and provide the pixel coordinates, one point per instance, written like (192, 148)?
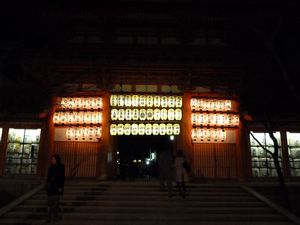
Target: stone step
(89, 222)
(148, 198)
(252, 203)
(149, 209)
(170, 216)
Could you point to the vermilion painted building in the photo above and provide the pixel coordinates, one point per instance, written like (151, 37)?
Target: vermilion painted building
(94, 84)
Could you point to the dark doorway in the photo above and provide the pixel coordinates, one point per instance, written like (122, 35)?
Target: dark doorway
(137, 156)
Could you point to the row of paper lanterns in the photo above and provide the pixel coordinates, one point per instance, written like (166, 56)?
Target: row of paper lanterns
(83, 133)
(208, 135)
(77, 118)
(145, 129)
(146, 114)
(75, 103)
(204, 104)
(215, 119)
(146, 101)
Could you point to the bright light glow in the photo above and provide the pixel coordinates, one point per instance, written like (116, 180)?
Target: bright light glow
(145, 129)
(215, 119)
(208, 135)
(80, 103)
(205, 104)
(83, 133)
(77, 118)
(172, 137)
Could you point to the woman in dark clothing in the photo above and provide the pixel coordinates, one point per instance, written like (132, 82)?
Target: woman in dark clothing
(55, 186)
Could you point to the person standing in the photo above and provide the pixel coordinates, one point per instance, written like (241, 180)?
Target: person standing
(165, 164)
(54, 187)
(181, 175)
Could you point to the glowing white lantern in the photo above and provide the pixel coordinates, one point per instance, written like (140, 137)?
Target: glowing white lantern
(142, 101)
(120, 129)
(171, 101)
(169, 129)
(205, 119)
(171, 114)
(156, 114)
(128, 100)
(143, 114)
(222, 135)
(74, 117)
(194, 134)
(164, 101)
(164, 114)
(128, 114)
(162, 129)
(113, 100)
(176, 129)
(121, 114)
(113, 129)
(227, 105)
(235, 120)
(56, 118)
(178, 101)
(69, 133)
(150, 114)
(99, 103)
(200, 104)
(135, 114)
(214, 105)
(121, 100)
(227, 120)
(99, 118)
(127, 129)
(142, 129)
(201, 134)
(220, 106)
(194, 119)
(135, 101)
(220, 119)
(88, 103)
(194, 103)
(148, 129)
(134, 129)
(98, 132)
(156, 101)
(80, 117)
(155, 129)
(88, 117)
(178, 114)
(149, 101)
(212, 119)
(63, 118)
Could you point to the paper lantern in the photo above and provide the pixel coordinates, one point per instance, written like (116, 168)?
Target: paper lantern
(88, 102)
(121, 100)
(127, 129)
(80, 117)
(150, 114)
(178, 114)
(155, 129)
(134, 129)
(178, 102)
(162, 129)
(143, 114)
(142, 101)
(171, 101)
(169, 129)
(164, 101)
(128, 114)
(156, 114)
(135, 114)
(148, 129)
(142, 129)
(220, 120)
(120, 129)
(149, 100)
(128, 100)
(135, 100)
(164, 114)
(235, 120)
(176, 129)
(113, 100)
(113, 129)
(156, 101)
(194, 119)
(121, 114)
(171, 114)
(227, 105)
(56, 118)
(69, 133)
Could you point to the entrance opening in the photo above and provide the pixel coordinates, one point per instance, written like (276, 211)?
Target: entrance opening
(138, 156)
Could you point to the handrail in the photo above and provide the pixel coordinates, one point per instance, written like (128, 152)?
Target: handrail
(290, 216)
(19, 200)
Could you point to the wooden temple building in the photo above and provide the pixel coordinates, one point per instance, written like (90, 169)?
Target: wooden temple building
(83, 80)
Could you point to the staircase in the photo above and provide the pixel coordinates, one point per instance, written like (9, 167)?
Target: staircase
(141, 203)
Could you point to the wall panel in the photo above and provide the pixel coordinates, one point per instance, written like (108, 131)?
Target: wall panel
(215, 160)
(80, 158)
